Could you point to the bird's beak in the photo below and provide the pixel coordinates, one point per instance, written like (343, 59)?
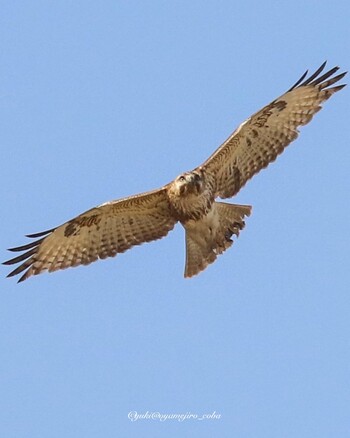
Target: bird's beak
(196, 183)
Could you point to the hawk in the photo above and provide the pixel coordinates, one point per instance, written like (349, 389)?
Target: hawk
(190, 199)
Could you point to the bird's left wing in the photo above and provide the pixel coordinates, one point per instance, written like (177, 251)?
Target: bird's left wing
(260, 139)
(101, 232)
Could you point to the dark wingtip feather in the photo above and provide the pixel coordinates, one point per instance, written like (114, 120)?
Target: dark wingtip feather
(21, 257)
(314, 75)
(27, 258)
(8, 262)
(23, 267)
(27, 246)
(18, 271)
(321, 81)
(332, 81)
(338, 87)
(298, 81)
(42, 233)
(24, 277)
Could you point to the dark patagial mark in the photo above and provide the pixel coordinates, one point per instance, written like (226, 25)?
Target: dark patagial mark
(74, 226)
(280, 105)
(261, 120)
(70, 229)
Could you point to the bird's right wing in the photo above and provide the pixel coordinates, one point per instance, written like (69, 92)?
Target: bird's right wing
(101, 232)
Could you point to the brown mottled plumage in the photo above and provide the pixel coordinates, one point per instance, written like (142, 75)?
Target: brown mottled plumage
(116, 226)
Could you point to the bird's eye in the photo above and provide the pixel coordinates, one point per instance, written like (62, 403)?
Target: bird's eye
(196, 177)
(182, 178)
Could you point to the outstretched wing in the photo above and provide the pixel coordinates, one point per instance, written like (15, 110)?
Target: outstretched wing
(260, 139)
(101, 232)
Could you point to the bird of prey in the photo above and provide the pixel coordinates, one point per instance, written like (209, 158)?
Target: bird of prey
(190, 199)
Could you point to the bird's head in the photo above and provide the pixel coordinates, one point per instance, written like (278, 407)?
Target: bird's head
(189, 182)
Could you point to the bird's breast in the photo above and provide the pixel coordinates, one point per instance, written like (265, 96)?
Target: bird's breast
(191, 206)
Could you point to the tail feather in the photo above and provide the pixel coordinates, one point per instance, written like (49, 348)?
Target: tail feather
(211, 235)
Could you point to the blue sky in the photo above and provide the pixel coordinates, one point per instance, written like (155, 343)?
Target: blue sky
(100, 100)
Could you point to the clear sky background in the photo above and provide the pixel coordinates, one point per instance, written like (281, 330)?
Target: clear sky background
(100, 100)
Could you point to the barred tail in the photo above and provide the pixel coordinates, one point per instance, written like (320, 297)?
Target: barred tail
(211, 236)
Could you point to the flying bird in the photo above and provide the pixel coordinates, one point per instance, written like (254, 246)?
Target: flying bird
(190, 199)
